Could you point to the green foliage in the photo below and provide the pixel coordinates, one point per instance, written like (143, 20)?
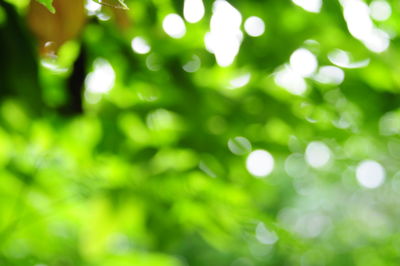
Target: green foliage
(131, 147)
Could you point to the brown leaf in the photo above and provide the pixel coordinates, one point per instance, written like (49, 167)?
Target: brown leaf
(53, 30)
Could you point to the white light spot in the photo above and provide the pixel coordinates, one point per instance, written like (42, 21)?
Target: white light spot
(303, 62)
(225, 36)
(225, 17)
(330, 75)
(260, 163)
(240, 81)
(359, 23)
(239, 145)
(51, 64)
(140, 45)
(102, 78)
(174, 26)
(313, 6)
(193, 65)
(342, 58)
(264, 235)
(339, 57)
(291, 81)
(378, 41)
(254, 26)
(193, 10)
(380, 10)
(370, 174)
(356, 13)
(103, 16)
(210, 42)
(317, 154)
(92, 7)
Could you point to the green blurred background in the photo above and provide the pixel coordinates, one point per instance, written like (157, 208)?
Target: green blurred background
(192, 132)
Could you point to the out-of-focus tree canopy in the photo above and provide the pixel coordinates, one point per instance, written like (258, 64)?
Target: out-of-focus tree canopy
(177, 133)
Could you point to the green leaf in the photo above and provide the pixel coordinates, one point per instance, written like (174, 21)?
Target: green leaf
(48, 4)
